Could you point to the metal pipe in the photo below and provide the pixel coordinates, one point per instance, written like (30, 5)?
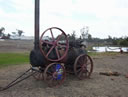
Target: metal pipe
(37, 16)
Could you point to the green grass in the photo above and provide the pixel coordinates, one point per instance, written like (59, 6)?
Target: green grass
(103, 53)
(9, 59)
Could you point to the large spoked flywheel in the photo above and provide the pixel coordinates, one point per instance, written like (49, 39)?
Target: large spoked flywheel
(52, 41)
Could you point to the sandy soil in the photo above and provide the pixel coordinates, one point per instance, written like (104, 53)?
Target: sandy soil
(97, 86)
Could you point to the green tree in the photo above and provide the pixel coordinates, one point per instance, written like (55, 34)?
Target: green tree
(2, 29)
(89, 37)
(72, 37)
(20, 32)
(109, 38)
(123, 42)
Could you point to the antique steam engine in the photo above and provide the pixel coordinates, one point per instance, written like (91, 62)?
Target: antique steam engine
(54, 55)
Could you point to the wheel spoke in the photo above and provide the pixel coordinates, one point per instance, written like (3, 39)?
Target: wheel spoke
(49, 77)
(36, 75)
(50, 81)
(58, 82)
(62, 46)
(88, 63)
(54, 82)
(52, 35)
(49, 51)
(39, 76)
(79, 75)
(78, 66)
(87, 71)
(57, 53)
(49, 73)
(80, 63)
(59, 37)
(53, 68)
(78, 70)
(47, 42)
(84, 59)
(42, 76)
(84, 74)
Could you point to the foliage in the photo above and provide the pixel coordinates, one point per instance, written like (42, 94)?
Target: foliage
(2, 35)
(89, 37)
(20, 32)
(84, 32)
(7, 36)
(72, 37)
(123, 42)
(1, 31)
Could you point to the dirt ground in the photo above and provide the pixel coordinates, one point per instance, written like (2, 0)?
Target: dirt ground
(16, 45)
(97, 86)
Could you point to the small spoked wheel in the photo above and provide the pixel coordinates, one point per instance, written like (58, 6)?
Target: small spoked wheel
(54, 74)
(83, 66)
(39, 73)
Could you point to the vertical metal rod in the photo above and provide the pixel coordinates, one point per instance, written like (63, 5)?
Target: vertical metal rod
(37, 16)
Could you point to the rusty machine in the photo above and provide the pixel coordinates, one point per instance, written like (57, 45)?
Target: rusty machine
(54, 55)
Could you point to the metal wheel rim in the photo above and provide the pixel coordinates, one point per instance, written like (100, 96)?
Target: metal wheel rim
(67, 44)
(51, 84)
(81, 71)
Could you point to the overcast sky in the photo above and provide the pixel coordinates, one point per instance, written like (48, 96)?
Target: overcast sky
(103, 17)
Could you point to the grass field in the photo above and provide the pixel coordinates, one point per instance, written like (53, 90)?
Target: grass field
(7, 59)
(102, 53)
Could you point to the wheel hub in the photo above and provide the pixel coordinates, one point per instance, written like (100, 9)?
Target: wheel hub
(54, 75)
(54, 43)
(58, 73)
(84, 67)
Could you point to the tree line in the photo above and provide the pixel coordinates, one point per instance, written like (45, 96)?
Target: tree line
(85, 35)
(7, 36)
